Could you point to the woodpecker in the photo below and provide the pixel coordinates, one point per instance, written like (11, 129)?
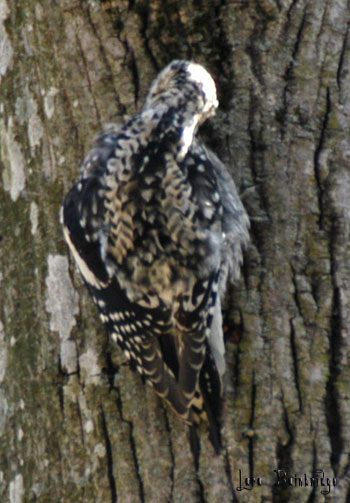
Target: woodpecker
(156, 227)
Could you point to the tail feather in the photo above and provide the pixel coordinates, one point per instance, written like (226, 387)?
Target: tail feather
(206, 405)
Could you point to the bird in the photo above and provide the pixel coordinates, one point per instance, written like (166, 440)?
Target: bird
(157, 229)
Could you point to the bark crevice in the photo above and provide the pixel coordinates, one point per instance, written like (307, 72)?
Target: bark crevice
(109, 455)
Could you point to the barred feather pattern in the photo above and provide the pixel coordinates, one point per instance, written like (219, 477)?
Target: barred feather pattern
(156, 226)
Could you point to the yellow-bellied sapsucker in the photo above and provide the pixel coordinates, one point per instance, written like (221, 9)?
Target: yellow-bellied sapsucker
(155, 225)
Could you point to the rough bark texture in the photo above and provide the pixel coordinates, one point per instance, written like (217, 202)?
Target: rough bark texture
(76, 425)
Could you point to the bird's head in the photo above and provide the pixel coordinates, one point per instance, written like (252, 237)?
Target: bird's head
(184, 84)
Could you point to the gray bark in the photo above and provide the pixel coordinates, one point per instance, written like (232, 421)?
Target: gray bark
(76, 425)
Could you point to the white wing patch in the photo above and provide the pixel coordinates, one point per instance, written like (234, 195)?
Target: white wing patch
(87, 274)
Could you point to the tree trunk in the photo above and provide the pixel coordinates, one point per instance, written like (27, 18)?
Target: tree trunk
(76, 425)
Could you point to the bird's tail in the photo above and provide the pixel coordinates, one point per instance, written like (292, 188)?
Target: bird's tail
(206, 406)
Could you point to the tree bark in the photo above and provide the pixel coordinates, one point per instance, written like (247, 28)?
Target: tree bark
(76, 425)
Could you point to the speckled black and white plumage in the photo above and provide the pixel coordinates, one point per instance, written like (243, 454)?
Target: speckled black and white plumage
(156, 225)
